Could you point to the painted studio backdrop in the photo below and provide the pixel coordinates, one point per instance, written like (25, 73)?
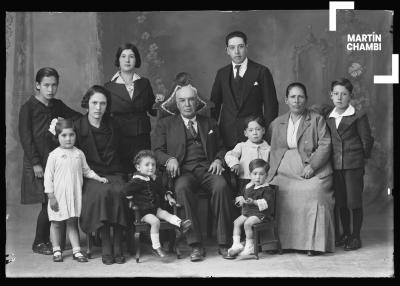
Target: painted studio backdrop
(295, 45)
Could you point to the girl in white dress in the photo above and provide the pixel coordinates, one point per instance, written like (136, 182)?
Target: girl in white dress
(63, 179)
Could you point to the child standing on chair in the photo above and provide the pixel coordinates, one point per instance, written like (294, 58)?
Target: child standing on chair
(255, 147)
(147, 194)
(352, 143)
(63, 180)
(257, 202)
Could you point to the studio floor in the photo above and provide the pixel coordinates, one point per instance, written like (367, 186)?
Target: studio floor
(374, 259)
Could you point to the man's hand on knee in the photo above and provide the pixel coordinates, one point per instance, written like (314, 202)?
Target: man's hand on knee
(173, 168)
(216, 167)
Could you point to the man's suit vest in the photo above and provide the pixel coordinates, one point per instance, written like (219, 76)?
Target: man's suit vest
(195, 155)
(237, 87)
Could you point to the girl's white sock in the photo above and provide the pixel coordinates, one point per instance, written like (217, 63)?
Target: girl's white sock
(76, 250)
(155, 240)
(56, 248)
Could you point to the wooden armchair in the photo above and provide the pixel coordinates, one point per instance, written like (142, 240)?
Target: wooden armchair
(261, 227)
(267, 225)
(140, 227)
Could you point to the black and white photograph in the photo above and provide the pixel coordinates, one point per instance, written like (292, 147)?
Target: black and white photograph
(200, 143)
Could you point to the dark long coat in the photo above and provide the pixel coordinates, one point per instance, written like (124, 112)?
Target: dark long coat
(37, 142)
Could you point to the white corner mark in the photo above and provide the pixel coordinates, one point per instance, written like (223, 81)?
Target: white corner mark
(394, 78)
(335, 5)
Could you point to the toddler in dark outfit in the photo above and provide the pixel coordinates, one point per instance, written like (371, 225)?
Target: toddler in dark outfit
(257, 204)
(147, 194)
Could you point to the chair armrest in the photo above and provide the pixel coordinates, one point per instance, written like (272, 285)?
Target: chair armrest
(175, 208)
(135, 208)
(137, 214)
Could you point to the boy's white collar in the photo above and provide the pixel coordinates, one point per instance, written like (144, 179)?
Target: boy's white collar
(142, 177)
(349, 111)
(256, 187)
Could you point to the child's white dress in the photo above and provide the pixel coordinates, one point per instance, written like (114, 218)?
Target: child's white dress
(63, 176)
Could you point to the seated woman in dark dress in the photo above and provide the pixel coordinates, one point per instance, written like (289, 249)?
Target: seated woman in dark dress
(103, 205)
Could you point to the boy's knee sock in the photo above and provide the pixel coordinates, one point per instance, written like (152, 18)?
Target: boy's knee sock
(155, 240)
(345, 218)
(236, 239)
(175, 220)
(249, 243)
(357, 222)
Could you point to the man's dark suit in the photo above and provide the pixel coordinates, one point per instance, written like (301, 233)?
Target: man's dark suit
(258, 97)
(170, 140)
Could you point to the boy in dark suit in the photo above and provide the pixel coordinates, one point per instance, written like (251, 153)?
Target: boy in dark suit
(189, 145)
(241, 89)
(352, 143)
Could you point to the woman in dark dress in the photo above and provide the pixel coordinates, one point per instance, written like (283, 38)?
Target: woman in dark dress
(35, 117)
(103, 205)
(132, 98)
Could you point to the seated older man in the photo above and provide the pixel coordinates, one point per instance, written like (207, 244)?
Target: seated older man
(190, 147)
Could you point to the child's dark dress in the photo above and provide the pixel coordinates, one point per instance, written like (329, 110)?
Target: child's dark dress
(147, 193)
(37, 142)
(262, 192)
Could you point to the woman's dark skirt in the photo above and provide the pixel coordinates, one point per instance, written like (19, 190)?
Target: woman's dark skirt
(103, 203)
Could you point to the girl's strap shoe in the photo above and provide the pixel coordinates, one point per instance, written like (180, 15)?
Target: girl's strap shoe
(79, 257)
(57, 256)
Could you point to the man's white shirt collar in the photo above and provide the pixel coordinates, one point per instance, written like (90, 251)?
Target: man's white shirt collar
(349, 111)
(242, 69)
(186, 120)
(121, 80)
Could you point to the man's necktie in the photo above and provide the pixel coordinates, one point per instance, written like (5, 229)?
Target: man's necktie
(237, 76)
(191, 129)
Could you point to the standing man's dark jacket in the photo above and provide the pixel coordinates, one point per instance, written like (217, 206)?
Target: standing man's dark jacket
(257, 97)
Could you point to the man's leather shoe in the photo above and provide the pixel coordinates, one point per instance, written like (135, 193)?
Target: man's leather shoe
(353, 244)
(343, 240)
(185, 226)
(119, 259)
(223, 250)
(107, 259)
(159, 252)
(196, 254)
(42, 248)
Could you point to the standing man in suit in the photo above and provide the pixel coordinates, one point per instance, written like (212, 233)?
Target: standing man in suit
(241, 89)
(190, 147)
